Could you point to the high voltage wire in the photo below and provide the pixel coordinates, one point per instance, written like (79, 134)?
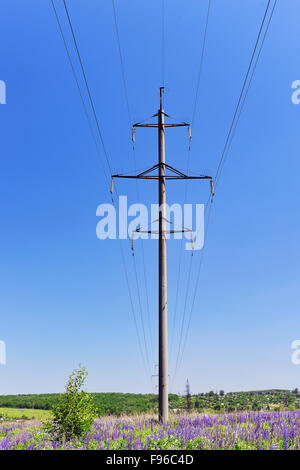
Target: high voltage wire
(228, 142)
(141, 315)
(99, 131)
(122, 63)
(135, 169)
(180, 356)
(201, 63)
(79, 91)
(242, 91)
(187, 170)
(185, 305)
(227, 151)
(97, 147)
(232, 129)
(179, 270)
(87, 87)
(101, 138)
(133, 311)
(248, 86)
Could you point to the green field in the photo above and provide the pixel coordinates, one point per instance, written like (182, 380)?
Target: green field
(11, 414)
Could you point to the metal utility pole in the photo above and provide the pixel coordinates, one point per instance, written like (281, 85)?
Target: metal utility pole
(163, 407)
(162, 176)
(188, 396)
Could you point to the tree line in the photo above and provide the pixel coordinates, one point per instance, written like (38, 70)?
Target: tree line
(130, 403)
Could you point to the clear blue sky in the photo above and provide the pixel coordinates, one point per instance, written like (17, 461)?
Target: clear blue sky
(63, 296)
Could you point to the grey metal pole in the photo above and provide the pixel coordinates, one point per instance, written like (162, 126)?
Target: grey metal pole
(163, 409)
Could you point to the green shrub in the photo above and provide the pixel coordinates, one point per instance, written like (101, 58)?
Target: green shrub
(75, 411)
(24, 417)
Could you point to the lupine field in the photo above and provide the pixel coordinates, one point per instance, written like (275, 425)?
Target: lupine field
(244, 431)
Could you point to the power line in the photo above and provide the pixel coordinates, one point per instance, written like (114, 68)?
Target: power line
(122, 63)
(87, 87)
(96, 144)
(227, 145)
(79, 91)
(242, 91)
(162, 176)
(187, 169)
(228, 142)
(248, 86)
(141, 315)
(201, 64)
(179, 268)
(133, 311)
(179, 361)
(184, 310)
(95, 116)
(134, 159)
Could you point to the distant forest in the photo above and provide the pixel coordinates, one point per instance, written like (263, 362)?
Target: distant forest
(130, 403)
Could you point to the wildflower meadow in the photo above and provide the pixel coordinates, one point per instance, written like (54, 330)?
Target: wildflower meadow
(235, 431)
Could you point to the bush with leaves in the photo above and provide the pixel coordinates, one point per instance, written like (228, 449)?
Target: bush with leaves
(74, 414)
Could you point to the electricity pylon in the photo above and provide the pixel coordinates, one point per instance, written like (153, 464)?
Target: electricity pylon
(164, 172)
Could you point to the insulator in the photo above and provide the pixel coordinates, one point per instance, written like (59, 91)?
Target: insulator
(212, 189)
(190, 133)
(111, 186)
(133, 135)
(132, 243)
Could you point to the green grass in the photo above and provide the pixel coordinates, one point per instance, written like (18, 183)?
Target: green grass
(11, 414)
